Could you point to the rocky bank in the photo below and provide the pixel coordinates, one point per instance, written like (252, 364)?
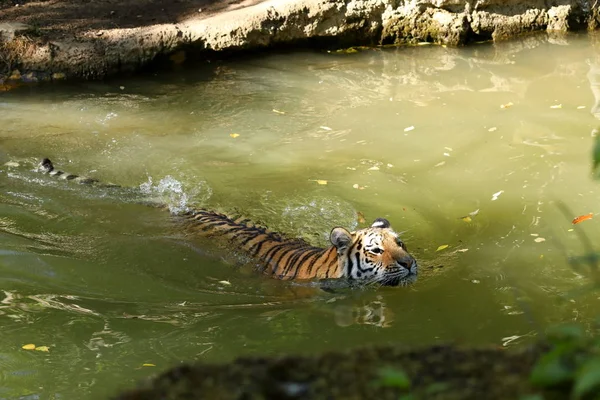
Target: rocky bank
(88, 39)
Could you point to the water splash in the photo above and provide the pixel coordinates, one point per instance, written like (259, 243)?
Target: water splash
(171, 192)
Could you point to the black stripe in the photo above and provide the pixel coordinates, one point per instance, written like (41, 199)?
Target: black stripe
(312, 263)
(292, 261)
(254, 252)
(270, 255)
(281, 257)
(308, 254)
(357, 256)
(251, 237)
(206, 226)
(349, 265)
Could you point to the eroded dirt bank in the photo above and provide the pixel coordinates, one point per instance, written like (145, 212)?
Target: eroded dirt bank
(62, 39)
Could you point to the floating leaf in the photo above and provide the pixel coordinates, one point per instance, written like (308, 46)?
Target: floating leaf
(227, 283)
(496, 195)
(361, 217)
(539, 240)
(234, 135)
(467, 218)
(42, 348)
(278, 112)
(321, 182)
(582, 218)
(556, 106)
(148, 365)
(442, 247)
(507, 105)
(28, 347)
(409, 128)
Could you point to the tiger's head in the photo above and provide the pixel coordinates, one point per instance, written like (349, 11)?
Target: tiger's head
(374, 254)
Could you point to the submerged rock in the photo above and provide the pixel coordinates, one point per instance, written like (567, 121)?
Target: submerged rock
(438, 372)
(94, 41)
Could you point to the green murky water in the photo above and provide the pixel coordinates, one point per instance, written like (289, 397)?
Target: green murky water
(415, 135)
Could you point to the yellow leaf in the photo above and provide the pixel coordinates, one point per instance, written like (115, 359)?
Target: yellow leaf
(43, 348)
(442, 247)
(234, 135)
(148, 365)
(29, 347)
(361, 217)
(507, 105)
(321, 182)
(466, 219)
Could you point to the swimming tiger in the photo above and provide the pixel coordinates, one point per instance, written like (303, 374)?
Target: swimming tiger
(372, 255)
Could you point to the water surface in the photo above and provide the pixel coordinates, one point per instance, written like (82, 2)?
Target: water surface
(421, 136)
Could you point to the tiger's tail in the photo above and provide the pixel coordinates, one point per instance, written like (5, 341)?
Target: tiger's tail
(47, 167)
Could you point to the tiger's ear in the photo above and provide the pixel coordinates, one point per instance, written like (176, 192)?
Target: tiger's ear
(381, 223)
(340, 238)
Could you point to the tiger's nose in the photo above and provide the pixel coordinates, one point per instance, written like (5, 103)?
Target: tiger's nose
(407, 262)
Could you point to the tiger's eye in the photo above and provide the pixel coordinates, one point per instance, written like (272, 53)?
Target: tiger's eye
(376, 250)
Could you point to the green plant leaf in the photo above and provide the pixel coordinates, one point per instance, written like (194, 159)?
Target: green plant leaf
(587, 378)
(565, 332)
(393, 377)
(550, 370)
(532, 397)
